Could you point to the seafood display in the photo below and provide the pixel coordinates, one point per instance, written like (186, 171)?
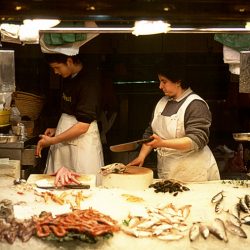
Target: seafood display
(207, 214)
(74, 198)
(165, 222)
(10, 228)
(234, 220)
(169, 186)
(85, 225)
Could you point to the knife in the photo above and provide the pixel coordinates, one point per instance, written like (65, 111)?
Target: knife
(68, 186)
(129, 146)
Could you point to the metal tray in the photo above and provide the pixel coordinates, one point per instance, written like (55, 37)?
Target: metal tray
(8, 138)
(241, 136)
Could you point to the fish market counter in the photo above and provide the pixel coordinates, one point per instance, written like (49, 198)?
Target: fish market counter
(201, 216)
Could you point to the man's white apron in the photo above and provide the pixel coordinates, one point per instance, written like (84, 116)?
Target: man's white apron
(82, 155)
(180, 165)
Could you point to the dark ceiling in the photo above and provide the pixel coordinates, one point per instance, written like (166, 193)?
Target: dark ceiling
(180, 13)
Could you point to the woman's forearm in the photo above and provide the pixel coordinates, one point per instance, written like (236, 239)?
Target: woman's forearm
(145, 150)
(184, 143)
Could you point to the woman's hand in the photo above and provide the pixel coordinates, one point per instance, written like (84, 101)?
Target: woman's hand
(138, 161)
(157, 142)
(65, 176)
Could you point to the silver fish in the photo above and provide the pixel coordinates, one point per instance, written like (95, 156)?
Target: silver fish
(236, 210)
(235, 229)
(194, 231)
(246, 220)
(219, 206)
(234, 219)
(218, 229)
(204, 230)
(247, 200)
(244, 206)
(217, 197)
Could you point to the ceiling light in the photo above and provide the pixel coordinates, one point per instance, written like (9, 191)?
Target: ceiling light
(150, 27)
(247, 26)
(90, 7)
(41, 23)
(18, 7)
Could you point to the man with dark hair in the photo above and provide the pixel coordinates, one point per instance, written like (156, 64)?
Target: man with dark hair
(75, 145)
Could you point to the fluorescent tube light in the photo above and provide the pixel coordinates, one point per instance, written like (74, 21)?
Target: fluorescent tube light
(150, 27)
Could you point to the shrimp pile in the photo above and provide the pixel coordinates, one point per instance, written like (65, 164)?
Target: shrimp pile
(88, 221)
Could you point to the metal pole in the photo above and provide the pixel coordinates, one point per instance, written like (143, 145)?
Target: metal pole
(129, 30)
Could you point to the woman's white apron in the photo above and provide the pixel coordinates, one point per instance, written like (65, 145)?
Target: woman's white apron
(82, 155)
(180, 165)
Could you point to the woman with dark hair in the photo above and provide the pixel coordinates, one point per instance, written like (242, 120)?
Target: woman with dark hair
(75, 144)
(180, 132)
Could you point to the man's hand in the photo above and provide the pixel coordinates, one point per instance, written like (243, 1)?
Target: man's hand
(44, 142)
(65, 176)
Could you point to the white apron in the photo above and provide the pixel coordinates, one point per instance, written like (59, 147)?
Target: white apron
(82, 155)
(176, 164)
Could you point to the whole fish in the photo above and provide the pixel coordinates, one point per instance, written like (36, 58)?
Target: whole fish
(236, 210)
(247, 200)
(246, 220)
(217, 197)
(234, 219)
(243, 205)
(204, 231)
(219, 206)
(235, 229)
(194, 231)
(218, 229)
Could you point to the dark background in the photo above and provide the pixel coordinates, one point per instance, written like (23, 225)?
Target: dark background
(128, 62)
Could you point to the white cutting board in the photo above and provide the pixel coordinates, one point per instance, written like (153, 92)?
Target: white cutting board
(86, 179)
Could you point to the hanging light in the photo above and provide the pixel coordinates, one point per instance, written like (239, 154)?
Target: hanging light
(247, 26)
(150, 27)
(29, 31)
(41, 23)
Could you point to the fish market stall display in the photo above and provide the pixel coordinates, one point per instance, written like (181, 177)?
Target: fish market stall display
(165, 215)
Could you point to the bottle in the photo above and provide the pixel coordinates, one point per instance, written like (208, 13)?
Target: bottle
(15, 116)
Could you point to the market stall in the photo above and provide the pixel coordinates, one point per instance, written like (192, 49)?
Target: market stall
(206, 203)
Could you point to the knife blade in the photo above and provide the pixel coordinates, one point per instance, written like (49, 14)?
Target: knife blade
(129, 146)
(68, 186)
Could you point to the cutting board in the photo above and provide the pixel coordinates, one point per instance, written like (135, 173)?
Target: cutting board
(86, 179)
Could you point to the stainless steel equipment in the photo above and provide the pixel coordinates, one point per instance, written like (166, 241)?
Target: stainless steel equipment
(23, 150)
(241, 136)
(7, 71)
(6, 138)
(244, 142)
